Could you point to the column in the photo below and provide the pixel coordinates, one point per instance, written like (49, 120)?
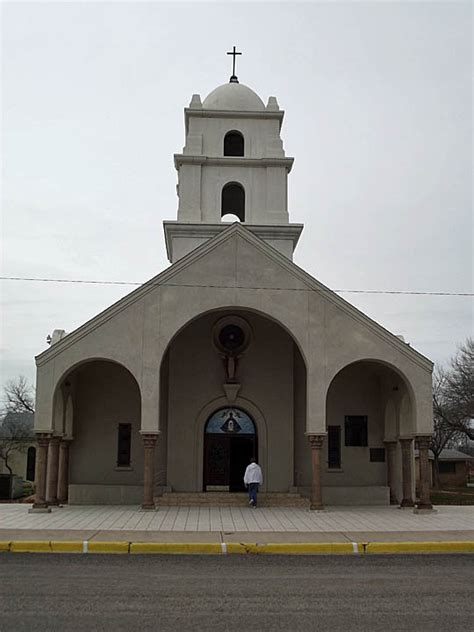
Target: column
(52, 477)
(40, 504)
(149, 443)
(423, 444)
(390, 450)
(407, 456)
(63, 476)
(316, 443)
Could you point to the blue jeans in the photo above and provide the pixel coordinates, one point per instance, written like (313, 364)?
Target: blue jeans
(253, 489)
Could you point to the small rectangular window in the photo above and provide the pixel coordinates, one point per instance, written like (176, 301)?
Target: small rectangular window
(447, 467)
(377, 455)
(355, 430)
(124, 445)
(334, 447)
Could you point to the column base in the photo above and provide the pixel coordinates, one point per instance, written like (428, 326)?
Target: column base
(407, 504)
(40, 509)
(148, 507)
(53, 503)
(426, 508)
(393, 501)
(316, 508)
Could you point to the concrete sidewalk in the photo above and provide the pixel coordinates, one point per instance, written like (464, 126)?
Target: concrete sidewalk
(127, 529)
(238, 519)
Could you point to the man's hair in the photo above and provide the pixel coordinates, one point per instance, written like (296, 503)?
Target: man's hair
(252, 459)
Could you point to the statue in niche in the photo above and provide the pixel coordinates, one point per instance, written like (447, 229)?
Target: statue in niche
(230, 365)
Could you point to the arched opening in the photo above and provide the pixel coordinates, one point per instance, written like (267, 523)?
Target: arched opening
(233, 144)
(30, 464)
(233, 200)
(363, 422)
(230, 440)
(213, 375)
(102, 417)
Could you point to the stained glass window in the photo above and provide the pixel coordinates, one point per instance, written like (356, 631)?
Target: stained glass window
(230, 421)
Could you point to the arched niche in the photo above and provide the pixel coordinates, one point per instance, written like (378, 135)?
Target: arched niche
(233, 200)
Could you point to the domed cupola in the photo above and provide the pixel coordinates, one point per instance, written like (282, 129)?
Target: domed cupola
(235, 97)
(233, 168)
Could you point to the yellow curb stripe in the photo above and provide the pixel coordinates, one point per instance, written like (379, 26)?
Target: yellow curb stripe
(30, 546)
(175, 547)
(420, 547)
(60, 546)
(303, 548)
(95, 546)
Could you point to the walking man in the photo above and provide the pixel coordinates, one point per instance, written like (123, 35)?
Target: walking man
(252, 479)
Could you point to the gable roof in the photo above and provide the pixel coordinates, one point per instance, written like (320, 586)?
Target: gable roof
(279, 259)
(449, 454)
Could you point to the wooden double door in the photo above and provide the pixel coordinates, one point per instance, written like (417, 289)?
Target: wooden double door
(225, 460)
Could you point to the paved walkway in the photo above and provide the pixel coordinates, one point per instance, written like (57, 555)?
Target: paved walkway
(451, 520)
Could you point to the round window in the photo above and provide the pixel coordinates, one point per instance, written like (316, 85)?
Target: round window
(231, 335)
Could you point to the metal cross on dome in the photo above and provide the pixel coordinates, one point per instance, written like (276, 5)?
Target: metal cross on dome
(234, 53)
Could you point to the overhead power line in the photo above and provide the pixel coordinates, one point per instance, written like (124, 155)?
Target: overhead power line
(96, 282)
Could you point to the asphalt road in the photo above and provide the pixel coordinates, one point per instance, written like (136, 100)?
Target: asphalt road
(126, 593)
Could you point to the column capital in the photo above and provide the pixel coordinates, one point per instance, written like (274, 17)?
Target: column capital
(149, 440)
(316, 440)
(423, 442)
(43, 438)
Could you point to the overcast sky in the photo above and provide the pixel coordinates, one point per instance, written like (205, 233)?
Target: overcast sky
(378, 118)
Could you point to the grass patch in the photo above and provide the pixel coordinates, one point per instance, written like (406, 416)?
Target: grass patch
(453, 496)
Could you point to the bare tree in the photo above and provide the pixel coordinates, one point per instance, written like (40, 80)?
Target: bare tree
(18, 396)
(453, 403)
(16, 432)
(459, 389)
(15, 436)
(445, 434)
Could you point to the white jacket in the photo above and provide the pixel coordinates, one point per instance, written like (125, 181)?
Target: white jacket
(253, 474)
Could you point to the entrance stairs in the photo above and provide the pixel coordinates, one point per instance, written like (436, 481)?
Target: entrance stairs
(229, 499)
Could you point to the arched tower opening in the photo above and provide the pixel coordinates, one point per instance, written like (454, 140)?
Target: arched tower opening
(233, 200)
(234, 144)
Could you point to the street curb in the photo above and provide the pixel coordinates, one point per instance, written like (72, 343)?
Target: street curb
(223, 548)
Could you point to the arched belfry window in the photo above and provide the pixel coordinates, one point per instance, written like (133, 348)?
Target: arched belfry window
(233, 144)
(233, 200)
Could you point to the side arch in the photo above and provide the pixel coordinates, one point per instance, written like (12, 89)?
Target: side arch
(395, 382)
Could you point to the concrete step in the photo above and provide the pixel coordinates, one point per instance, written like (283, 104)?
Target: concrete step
(229, 499)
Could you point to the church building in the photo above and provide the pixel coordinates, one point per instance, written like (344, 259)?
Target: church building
(233, 351)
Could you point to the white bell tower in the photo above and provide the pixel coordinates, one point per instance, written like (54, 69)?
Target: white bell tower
(233, 164)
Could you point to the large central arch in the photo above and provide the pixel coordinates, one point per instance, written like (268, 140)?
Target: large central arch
(194, 384)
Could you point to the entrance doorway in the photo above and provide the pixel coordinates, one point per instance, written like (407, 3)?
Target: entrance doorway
(230, 440)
